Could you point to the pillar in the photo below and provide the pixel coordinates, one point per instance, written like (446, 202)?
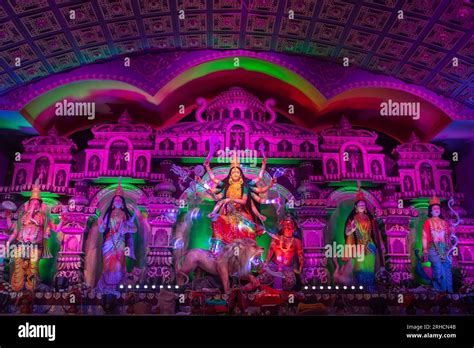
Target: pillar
(397, 229)
(71, 255)
(314, 269)
(159, 257)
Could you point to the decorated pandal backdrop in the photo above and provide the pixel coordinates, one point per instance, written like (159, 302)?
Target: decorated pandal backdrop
(139, 196)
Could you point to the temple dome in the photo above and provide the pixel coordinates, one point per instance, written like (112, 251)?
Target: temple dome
(344, 129)
(52, 139)
(124, 125)
(254, 127)
(238, 97)
(235, 103)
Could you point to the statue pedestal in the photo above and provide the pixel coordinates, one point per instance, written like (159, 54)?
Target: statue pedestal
(159, 257)
(465, 254)
(159, 269)
(69, 267)
(314, 270)
(397, 230)
(70, 256)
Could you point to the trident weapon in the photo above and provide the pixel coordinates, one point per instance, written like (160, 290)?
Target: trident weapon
(184, 175)
(262, 149)
(453, 234)
(213, 146)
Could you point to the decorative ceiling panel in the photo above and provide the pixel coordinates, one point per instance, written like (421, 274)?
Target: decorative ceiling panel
(53, 36)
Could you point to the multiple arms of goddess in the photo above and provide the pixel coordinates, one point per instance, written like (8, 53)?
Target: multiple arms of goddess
(264, 189)
(254, 190)
(262, 171)
(211, 174)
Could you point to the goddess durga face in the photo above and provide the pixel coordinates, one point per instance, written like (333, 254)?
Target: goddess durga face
(235, 174)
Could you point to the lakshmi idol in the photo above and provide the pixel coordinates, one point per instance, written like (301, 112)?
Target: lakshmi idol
(117, 227)
(236, 214)
(362, 232)
(436, 244)
(30, 234)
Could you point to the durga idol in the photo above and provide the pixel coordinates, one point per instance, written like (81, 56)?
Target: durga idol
(236, 214)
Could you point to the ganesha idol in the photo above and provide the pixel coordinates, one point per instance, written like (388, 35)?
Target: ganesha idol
(29, 237)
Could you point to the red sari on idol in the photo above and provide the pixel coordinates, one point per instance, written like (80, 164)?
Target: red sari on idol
(235, 221)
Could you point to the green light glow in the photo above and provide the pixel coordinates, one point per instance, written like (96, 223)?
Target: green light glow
(422, 203)
(13, 120)
(87, 88)
(77, 91)
(246, 63)
(351, 186)
(200, 160)
(130, 181)
(47, 267)
(50, 201)
(336, 224)
(416, 226)
(44, 195)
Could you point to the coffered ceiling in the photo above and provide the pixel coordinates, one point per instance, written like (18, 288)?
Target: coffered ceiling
(53, 36)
